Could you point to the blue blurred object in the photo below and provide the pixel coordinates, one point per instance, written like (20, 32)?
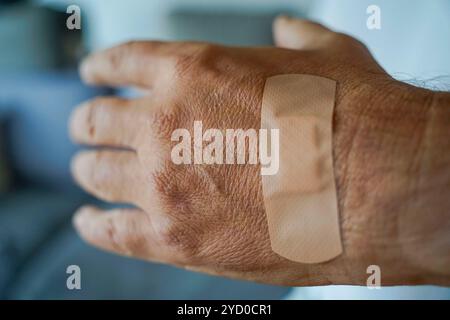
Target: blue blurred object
(108, 276)
(5, 171)
(29, 218)
(413, 44)
(29, 38)
(39, 105)
(238, 28)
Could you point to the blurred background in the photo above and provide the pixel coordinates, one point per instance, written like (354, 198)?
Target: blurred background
(39, 87)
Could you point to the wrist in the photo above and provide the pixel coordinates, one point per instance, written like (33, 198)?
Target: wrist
(426, 236)
(387, 174)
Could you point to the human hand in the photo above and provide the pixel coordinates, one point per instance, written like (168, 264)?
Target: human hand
(211, 218)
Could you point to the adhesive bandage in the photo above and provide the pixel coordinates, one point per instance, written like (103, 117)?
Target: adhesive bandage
(300, 199)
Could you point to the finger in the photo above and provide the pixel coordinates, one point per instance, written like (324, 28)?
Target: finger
(106, 121)
(138, 63)
(113, 176)
(300, 34)
(123, 231)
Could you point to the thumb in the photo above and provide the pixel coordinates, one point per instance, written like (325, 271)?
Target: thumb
(300, 34)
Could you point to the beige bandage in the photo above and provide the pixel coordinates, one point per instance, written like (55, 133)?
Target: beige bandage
(300, 199)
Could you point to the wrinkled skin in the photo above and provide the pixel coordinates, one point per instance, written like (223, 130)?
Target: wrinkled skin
(211, 218)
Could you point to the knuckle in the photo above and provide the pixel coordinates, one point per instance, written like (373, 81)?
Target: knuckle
(179, 239)
(92, 109)
(130, 46)
(102, 169)
(118, 55)
(207, 51)
(112, 235)
(200, 57)
(137, 48)
(88, 115)
(99, 115)
(346, 40)
(166, 120)
(209, 55)
(123, 236)
(181, 228)
(342, 37)
(97, 171)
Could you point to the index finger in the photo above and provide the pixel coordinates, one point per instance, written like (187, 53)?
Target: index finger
(136, 63)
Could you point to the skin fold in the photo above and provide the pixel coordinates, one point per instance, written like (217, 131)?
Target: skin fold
(391, 156)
